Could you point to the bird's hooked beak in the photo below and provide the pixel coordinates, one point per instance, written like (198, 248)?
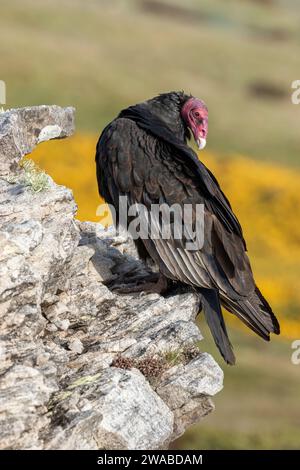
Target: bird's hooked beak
(200, 130)
(201, 142)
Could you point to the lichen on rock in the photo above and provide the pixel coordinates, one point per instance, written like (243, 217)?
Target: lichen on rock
(65, 337)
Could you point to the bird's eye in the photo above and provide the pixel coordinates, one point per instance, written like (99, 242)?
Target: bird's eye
(196, 113)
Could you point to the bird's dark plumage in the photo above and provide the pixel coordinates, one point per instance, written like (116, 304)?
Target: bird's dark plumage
(143, 154)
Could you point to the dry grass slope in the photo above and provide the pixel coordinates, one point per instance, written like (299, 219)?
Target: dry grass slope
(101, 56)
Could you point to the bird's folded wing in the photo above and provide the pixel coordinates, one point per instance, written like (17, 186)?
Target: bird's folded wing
(149, 174)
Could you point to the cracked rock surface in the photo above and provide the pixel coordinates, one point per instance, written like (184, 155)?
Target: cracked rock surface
(82, 367)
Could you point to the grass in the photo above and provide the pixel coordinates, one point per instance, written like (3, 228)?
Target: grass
(259, 405)
(102, 56)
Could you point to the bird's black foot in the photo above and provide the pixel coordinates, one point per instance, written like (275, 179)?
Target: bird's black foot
(155, 283)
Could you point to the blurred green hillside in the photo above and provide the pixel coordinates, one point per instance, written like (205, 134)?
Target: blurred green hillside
(259, 405)
(101, 55)
(241, 57)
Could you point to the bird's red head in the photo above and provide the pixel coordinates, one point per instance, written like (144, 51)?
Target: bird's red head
(195, 114)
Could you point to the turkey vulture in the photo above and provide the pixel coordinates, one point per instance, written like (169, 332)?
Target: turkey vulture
(143, 154)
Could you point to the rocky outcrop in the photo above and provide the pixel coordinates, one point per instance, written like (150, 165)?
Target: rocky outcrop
(81, 366)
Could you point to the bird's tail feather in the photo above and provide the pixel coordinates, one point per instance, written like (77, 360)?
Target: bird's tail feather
(212, 310)
(255, 312)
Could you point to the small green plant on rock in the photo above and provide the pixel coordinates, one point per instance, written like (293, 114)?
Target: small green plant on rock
(33, 177)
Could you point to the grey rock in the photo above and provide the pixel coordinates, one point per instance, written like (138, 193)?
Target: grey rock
(76, 346)
(114, 409)
(187, 389)
(22, 129)
(70, 347)
(24, 391)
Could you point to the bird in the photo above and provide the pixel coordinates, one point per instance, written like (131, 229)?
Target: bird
(144, 154)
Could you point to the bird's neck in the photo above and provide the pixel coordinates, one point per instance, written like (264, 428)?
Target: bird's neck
(167, 108)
